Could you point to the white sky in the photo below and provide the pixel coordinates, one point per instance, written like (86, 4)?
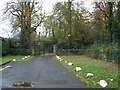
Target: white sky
(5, 28)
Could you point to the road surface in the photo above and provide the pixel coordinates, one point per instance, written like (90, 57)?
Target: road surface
(43, 71)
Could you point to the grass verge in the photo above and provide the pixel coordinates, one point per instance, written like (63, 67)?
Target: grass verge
(17, 57)
(101, 70)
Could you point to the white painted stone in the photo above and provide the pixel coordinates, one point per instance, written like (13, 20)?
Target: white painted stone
(111, 79)
(70, 64)
(103, 83)
(65, 61)
(26, 57)
(78, 69)
(14, 60)
(58, 57)
(89, 75)
(77, 75)
(61, 60)
(8, 66)
(23, 58)
(2, 69)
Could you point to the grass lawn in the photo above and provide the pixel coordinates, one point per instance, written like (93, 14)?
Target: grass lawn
(101, 70)
(17, 57)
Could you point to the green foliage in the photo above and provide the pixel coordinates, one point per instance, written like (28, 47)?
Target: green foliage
(108, 52)
(0, 46)
(70, 52)
(46, 44)
(112, 52)
(19, 51)
(5, 47)
(26, 17)
(69, 26)
(12, 47)
(95, 50)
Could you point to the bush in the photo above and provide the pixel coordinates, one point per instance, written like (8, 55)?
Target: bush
(19, 51)
(112, 53)
(0, 47)
(5, 47)
(108, 52)
(94, 51)
(70, 51)
(9, 46)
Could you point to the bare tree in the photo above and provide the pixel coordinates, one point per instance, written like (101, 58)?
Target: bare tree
(27, 16)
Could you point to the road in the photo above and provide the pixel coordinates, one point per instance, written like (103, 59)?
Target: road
(43, 71)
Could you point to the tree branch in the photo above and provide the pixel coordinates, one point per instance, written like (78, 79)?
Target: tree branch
(98, 6)
(36, 26)
(14, 14)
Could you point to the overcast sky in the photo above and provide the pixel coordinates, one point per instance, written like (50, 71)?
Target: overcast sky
(5, 27)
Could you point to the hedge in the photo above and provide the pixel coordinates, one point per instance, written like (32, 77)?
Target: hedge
(109, 52)
(5, 47)
(19, 51)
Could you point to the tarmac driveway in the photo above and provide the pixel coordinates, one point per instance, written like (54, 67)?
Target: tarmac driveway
(43, 71)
